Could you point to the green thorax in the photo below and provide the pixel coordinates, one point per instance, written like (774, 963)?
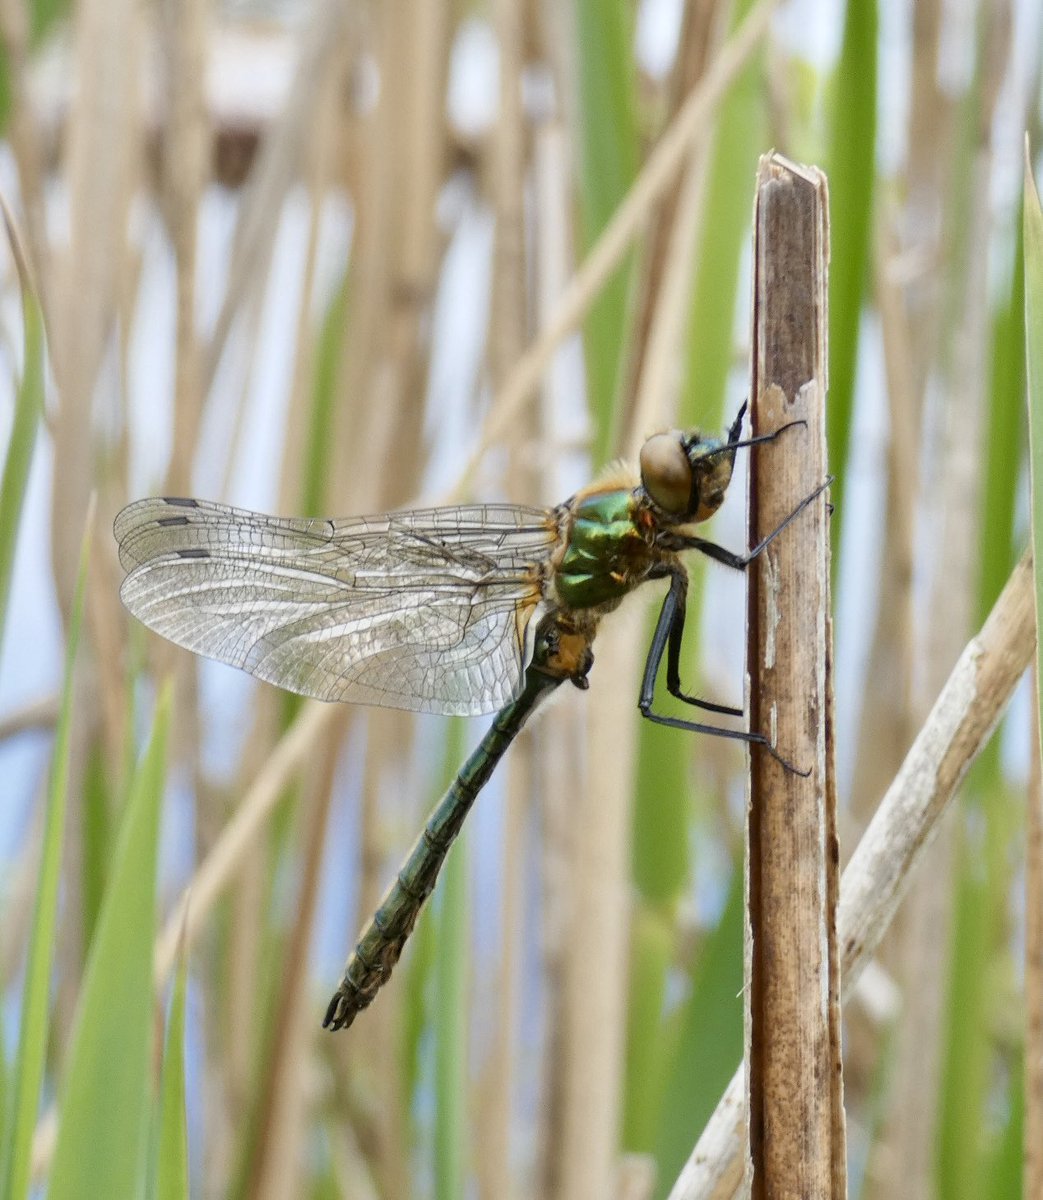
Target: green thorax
(607, 553)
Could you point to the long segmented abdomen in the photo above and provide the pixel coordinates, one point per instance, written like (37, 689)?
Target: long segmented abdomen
(381, 943)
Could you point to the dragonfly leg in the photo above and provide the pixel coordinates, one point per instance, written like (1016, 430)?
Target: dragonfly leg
(738, 735)
(740, 562)
(737, 443)
(667, 638)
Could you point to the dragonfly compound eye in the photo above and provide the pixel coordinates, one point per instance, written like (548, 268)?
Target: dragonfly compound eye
(666, 472)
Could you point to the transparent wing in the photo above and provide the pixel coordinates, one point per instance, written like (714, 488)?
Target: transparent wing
(423, 610)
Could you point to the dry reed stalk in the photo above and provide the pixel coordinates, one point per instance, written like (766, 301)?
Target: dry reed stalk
(238, 1063)
(593, 1019)
(560, 770)
(425, 145)
(659, 382)
(396, 250)
(561, 777)
(886, 730)
(275, 169)
(586, 802)
(554, 255)
(277, 1169)
(414, 43)
(251, 316)
(374, 1065)
(494, 1117)
(363, 430)
(21, 881)
(214, 874)
(509, 322)
(41, 713)
(185, 167)
(370, 182)
(926, 186)
(292, 484)
(26, 138)
(108, 626)
(395, 256)
(694, 45)
(963, 718)
(239, 1001)
(796, 1124)
(508, 333)
(887, 725)
(906, 1142)
(104, 159)
(923, 969)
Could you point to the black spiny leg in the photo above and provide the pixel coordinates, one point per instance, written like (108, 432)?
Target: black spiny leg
(668, 635)
(664, 635)
(740, 562)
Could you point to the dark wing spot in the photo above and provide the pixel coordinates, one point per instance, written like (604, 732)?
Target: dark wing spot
(168, 521)
(181, 501)
(193, 554)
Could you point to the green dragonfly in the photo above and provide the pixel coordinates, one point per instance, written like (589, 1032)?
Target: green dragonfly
(466, 610)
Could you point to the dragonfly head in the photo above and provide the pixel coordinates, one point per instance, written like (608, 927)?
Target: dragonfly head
(687, 474)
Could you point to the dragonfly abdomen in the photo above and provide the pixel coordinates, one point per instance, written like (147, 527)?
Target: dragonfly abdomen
(381, 943)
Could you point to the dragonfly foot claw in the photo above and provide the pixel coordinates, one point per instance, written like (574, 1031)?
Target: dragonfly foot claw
(784, 763)
(340, 1012)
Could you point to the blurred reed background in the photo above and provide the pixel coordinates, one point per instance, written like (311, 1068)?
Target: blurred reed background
(333, 257)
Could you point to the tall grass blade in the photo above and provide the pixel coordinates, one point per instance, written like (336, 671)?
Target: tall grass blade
(420, 970)
(998, 547)
(318, 451)
(1033, 246)
(737, 142)
(974, 1004)
(851, 167)
(32, 1044)
(1003, 1174)
(1006, 434)
(27, 413)
(651, 955)
(979, 947)
(1033, 235)
(608, 148)
(171, 1167)
(709, 1041)
(104, 1104)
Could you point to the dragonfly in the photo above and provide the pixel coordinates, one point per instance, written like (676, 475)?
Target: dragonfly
(461, 610)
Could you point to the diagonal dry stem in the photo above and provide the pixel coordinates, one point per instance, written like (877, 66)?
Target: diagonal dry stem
(218, 869)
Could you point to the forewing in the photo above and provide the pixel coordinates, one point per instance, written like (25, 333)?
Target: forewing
(423, 610)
